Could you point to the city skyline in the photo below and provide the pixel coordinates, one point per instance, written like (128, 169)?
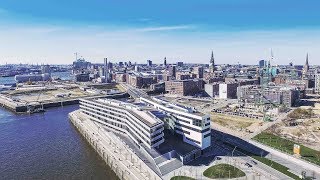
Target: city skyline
(237, 31)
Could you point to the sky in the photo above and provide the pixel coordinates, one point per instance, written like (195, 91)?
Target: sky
(244, 31)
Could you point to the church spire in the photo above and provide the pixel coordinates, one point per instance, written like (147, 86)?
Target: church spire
(212, 65)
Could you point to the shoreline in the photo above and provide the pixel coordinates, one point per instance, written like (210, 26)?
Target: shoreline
(122, 161)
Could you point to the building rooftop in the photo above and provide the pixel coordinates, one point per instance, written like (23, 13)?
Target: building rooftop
(139, 110)
(177, 107)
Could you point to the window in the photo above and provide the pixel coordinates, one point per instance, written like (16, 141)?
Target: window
(193, 140)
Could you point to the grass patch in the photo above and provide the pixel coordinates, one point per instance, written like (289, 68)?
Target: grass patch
(182, 178)
(223, 171)
(287, 146)
(268, 162)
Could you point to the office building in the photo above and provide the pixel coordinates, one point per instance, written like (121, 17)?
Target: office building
(187, 87)
(286, 96)
(262, 63)
(212, 89)
(32, 78)
(193, 127)
(149, 62)
(45, 69)
(198, 71)
(140, 123)
(172, 71)
(180, 64)
(317, 83)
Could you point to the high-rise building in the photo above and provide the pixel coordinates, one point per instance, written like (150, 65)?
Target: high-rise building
(262, 63)
(106, 73)
(172, 71)
(149, 62)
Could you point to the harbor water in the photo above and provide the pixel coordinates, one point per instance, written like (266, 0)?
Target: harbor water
(47, 146)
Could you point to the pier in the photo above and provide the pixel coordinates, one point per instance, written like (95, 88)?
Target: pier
(22, 107)
(123, 161)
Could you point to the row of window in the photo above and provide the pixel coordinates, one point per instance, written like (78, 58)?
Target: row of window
(182, 131)
(191, 128)
(209, 134)
(124, 117)
(193, 140)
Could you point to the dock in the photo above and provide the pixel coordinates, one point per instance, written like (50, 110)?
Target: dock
(22, 107)
(123, 161)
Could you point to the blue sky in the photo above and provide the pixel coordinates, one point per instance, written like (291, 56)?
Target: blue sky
(50, 31)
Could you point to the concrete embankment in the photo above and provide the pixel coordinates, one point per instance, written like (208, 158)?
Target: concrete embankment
(19, 107)
(126, 164)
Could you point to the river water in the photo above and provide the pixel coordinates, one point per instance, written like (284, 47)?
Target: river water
(47, 146)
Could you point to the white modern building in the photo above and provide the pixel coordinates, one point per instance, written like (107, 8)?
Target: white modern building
(193, 126)
(140, 123)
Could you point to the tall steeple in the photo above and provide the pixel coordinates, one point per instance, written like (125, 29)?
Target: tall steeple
(305, 67)
(307, 61)
(212, 65)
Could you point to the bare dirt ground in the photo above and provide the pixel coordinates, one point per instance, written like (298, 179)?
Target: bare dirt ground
(235, 123)
(307, 132)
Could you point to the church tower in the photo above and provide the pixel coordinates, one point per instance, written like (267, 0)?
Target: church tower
(212, 65)
(305, 67)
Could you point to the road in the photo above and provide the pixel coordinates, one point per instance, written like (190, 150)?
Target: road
(295, 165)
(134, 92)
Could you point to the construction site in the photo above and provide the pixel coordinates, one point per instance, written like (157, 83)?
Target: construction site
(302, 126)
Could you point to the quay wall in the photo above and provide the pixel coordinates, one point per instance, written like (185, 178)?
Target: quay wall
(19, 107)
(125, 164)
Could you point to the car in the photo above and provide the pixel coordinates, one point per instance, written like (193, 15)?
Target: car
(248, 165)
(253, 162)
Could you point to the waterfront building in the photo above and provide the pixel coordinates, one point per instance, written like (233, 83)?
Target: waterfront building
(140, 123)
(80, 65)
(32, 78)
(45, 69)
(194, 127)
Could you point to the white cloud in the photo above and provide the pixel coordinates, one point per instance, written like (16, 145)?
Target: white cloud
(165, 28)
(56, 45)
